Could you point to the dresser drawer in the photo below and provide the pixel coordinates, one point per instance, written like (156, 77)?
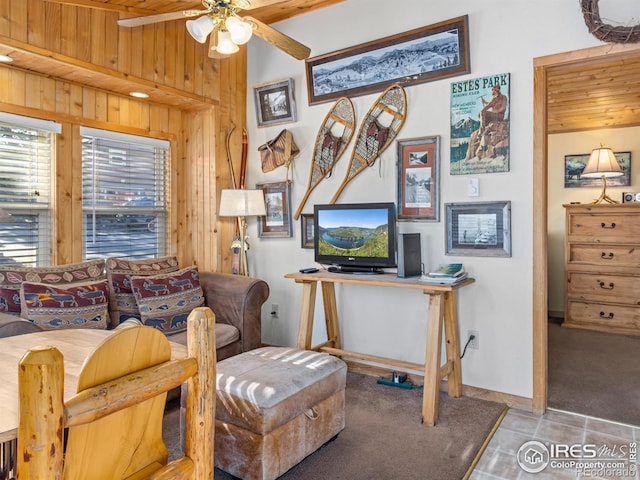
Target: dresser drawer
(604, 226)
(604, 317)
(604, 287)
(604, 255)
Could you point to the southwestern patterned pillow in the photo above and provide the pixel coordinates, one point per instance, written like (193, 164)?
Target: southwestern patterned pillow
(165, 301)
(122, 303)
(11, 277)
(75, 305)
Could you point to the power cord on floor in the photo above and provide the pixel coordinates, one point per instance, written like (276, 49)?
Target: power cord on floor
(471, 339)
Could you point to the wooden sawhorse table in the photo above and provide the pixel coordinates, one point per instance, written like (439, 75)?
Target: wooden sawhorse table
(442, 311)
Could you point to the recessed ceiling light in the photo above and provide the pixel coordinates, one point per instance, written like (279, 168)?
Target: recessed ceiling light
(139, 94)
(5, 58)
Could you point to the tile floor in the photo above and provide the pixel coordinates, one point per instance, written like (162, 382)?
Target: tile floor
(555, 429)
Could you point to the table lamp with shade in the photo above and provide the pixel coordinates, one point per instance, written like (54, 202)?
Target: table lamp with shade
(602, 163)
(242, 203)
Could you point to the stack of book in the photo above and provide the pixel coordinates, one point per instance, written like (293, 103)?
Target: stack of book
(446, 274)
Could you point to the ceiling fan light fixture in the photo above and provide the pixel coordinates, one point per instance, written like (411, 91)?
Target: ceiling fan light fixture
(239, 30)
(200, 28)
(225, 44)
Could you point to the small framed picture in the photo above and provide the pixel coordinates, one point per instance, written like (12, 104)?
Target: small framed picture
(275, 103)
(277, 200)
(418, 188)
(575, 164)
(478, 229)
(306, 228)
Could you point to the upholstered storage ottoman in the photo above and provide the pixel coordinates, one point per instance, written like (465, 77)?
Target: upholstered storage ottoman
(276, 406)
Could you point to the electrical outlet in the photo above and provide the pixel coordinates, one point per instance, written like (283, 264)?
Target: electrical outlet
(475, 343)
(274, 310)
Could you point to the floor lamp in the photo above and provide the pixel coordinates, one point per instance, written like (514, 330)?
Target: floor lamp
(602, 163)
(242, 204)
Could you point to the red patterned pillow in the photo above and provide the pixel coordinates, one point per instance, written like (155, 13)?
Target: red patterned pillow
(75, 305)
(165, 301)
(122, 303)
(11, 277)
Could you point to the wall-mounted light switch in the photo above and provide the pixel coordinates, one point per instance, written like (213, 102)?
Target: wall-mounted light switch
(473, 187)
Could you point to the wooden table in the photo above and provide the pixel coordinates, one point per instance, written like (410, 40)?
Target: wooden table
(442, 312)
(75, 346)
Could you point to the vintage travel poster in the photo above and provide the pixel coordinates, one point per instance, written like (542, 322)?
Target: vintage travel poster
(480, 125)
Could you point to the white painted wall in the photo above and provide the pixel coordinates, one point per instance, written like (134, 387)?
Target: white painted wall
(505, 36)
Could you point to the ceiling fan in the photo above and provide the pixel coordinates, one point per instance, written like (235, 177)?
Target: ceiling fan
(226, 28)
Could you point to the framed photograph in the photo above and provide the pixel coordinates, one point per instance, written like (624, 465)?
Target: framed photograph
(306, 224)
(478, 229)
(418, 189)
(421, 55)
(275, 103)
(480, 124)
(277, 200)
(574, 165)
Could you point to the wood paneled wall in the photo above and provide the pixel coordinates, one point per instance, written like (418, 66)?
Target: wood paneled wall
(162, 53)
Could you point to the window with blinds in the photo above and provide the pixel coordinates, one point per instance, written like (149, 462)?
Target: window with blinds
(124, 195)
(26, 152)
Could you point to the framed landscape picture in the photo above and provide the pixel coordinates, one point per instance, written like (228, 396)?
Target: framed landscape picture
(479, 229)
(574, 165)
(418, 189)
(424, 54)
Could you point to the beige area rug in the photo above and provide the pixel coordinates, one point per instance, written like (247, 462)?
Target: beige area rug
(384, 439)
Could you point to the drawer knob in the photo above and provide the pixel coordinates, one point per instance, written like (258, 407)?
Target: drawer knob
(611, 225)
(606, 287)
(610, 316)
(606, 256)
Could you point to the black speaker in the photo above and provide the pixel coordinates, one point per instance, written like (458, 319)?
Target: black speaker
(409, 255)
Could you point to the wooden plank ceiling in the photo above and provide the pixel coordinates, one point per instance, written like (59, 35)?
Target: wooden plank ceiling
(602, 94)
(31, 58)
(269, 11)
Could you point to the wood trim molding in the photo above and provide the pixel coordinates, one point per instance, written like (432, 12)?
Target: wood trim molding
(512, 401)
(51, 64)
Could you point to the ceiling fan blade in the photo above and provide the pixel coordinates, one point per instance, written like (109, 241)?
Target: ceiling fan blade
(160, 17)
(279, 39)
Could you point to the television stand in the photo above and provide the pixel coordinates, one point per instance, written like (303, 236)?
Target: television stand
(355, 270)
(441, 319)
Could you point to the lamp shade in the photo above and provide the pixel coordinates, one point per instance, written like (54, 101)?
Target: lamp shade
(241, 203)
(225, 44)
(239, 30)
(602, 163)
(200, 28)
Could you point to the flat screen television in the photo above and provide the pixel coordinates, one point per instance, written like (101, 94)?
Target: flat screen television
(355, 237)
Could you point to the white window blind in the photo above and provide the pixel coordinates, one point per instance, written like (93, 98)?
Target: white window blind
(124, 195)
(26, 152)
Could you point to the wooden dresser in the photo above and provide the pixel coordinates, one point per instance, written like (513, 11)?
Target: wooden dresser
(602, 267)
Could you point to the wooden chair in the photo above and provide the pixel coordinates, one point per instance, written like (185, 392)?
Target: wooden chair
(114, 422)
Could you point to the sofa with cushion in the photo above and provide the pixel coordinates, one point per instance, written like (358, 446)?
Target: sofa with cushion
(158, 292)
